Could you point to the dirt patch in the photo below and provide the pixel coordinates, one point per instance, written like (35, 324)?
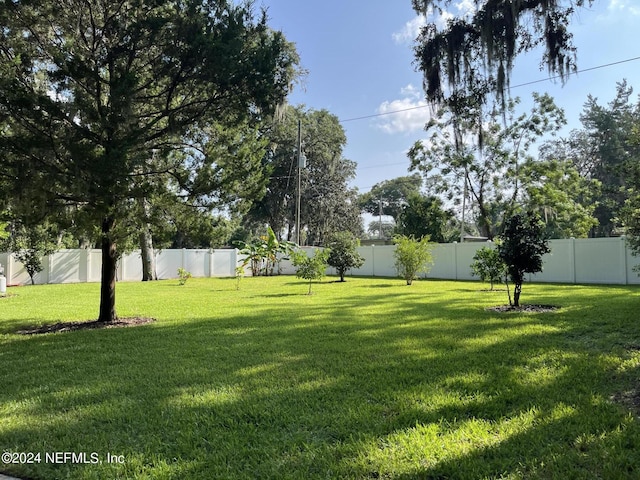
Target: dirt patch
(629, 400)
(524, 308)
(91, 325)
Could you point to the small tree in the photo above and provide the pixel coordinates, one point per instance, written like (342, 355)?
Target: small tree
(488, 265)
(183, 276)
(344, 253)
(30, 244)
(311, 268)
(264, 253)
(522, 247)
(412, 256)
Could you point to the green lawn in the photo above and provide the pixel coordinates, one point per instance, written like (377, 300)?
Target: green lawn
(368, 379)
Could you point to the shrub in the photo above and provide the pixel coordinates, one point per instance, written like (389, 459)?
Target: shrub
(521, 249)
(488, 265)
(311, 268)
(264, 253)
(183, 276)
(344, 253)
(412, 256)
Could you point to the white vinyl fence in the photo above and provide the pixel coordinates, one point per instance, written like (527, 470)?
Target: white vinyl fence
(599, 260)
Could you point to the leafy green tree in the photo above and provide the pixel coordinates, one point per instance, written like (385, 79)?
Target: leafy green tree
(106, 102)
(390, 196)
(344, 253)
(564, 199)
(488, 265)
(378, 231)
(30, 244)
(311, 268)
(328, 205)
(521, 248)
(486, 168)
(631, 210)
(609, 132)
(4, 232)
(603, 152)
(412, 256)
(425, 216)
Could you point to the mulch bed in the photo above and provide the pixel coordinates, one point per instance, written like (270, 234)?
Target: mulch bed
(524, 308)
(73, 326)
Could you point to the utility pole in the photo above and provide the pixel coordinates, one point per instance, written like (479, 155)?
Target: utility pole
(301, 164)
(380, 218)
(464, 201)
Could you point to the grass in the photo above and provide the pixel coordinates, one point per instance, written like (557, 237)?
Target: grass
(367, 379)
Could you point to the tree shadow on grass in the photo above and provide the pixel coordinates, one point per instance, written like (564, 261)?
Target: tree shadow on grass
(328, 392)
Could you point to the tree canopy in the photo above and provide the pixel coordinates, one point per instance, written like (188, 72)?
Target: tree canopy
(472, 56)
(327, 204)
(106, 102)
(521, 248)
(426, 216)
(390, 196)
(487, 167)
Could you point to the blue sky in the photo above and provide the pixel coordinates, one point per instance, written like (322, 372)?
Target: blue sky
(360, 63)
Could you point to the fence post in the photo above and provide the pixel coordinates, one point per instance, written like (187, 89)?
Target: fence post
(455, 260)
(49, 267)
(88, 260)
(573, 260)
(373, 261)
(623, 252)
(8, 270)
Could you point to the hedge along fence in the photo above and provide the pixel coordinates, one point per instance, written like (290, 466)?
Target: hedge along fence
(589, 260)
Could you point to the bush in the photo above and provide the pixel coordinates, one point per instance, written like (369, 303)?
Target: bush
(488, 265)
(183, 276)
(412, 256)
(344, 253)
(311, 268)
(521, 249)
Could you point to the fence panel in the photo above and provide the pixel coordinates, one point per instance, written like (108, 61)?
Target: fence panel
(224, 263)
(600, 260)
(167, 263)
(558, 265)
(196, 262)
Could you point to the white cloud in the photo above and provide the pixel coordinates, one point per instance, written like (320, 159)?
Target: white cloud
(411, 91)
(624, 6)
(412, 28)
(405, 115)
(410, 31)
(466, 8)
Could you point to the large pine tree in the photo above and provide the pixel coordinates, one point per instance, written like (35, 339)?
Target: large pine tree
(97, 97)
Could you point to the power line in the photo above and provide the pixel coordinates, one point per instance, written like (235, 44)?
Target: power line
(374, 115)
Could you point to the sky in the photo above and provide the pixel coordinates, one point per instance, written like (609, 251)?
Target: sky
(359, 59)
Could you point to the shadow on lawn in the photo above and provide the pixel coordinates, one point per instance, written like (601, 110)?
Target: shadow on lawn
(329, 393)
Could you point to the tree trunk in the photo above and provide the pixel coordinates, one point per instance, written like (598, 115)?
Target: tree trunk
(108, 275)
(147, 255)
(516, 294)
(146, 245)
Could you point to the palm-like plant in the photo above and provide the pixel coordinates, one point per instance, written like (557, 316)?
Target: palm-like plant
(264, 253)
